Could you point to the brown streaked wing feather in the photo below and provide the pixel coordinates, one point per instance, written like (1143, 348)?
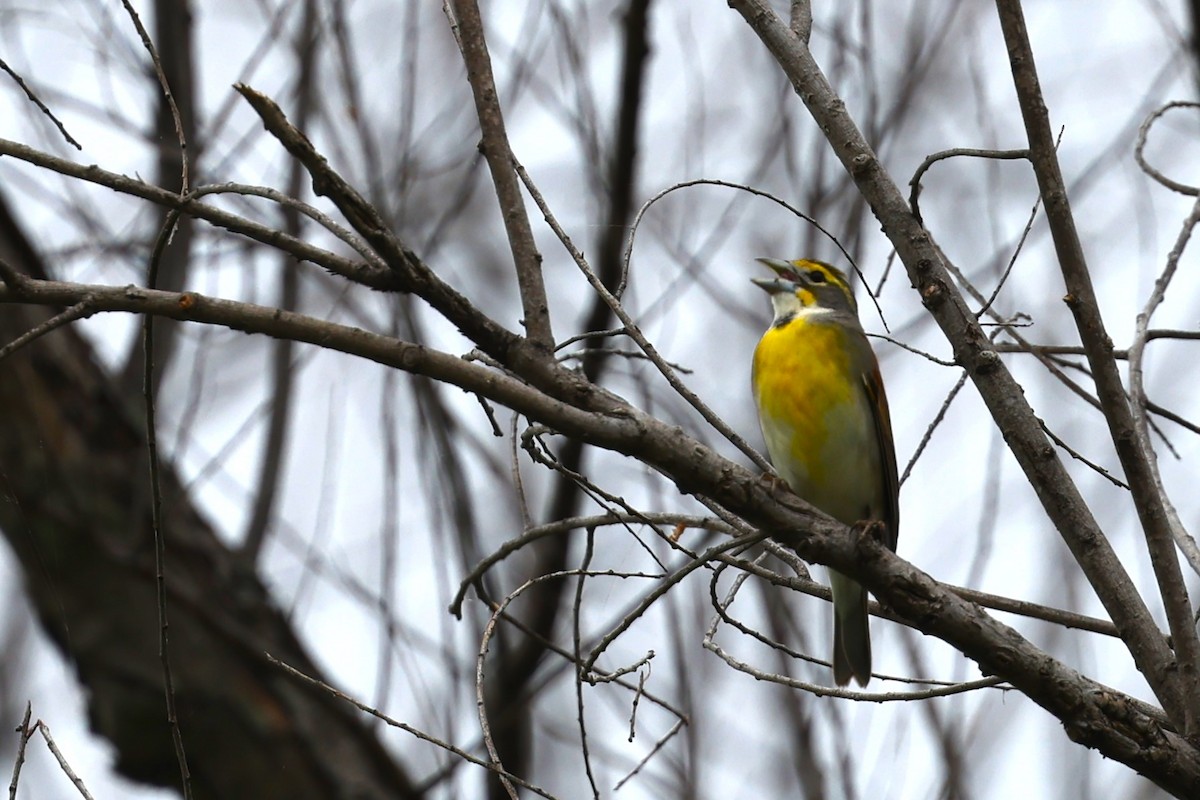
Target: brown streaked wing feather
(873, 383)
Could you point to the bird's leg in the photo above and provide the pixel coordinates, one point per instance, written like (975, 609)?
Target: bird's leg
(775, 484)
(873, 528)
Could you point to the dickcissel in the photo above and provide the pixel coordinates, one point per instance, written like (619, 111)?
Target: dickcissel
(825, 420)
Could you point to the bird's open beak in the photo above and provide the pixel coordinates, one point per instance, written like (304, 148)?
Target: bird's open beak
(781, 284)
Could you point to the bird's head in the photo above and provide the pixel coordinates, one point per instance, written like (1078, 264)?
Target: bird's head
(805, 287)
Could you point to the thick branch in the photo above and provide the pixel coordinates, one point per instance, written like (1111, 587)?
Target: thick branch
(1081, 299)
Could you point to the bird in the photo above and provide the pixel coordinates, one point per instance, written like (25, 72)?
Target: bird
(825, 421)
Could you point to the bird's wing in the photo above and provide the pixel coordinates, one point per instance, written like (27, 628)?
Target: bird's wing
(877, 402)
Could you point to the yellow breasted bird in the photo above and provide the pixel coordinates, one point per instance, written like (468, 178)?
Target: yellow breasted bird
(825, 420)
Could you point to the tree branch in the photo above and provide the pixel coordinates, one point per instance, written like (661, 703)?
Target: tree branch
(371, 274)
(413, 275)
(468, 29)
(1081, 299)
(1141, 402)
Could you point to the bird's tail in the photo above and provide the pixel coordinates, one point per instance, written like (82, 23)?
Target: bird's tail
(851, 631)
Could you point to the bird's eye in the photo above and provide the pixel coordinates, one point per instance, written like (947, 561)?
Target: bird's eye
(816, 276)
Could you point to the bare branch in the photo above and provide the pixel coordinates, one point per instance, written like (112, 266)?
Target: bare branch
(469, 34)
(148, 43)
(1183, 539)
(156, 508)
(41, 106)
(1139, 151)
(1135, 458)
(425, 737)
(915, 181)
(370, 274)
(531, 360)
(81, 310)
(24, 732)
(44, 730)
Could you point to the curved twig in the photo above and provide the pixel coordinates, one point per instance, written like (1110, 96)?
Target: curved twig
(1137, 388)
(1139, 150)
(915, 181)
(574, 523)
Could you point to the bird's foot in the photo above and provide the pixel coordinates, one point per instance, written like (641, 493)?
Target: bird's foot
(873, 528)
(775, 484)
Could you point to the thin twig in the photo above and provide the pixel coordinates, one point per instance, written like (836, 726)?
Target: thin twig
(579, 337)
(24, 732)
(539, 451)
(485, 726)
(1075, 454)
(343, 234)
(1166, 413)
(148, 43)
(933, 425)
(710, 644)
(394, 723)
(632, 355)
(484, 645)
(615, 677)
(42, 106)
(1012, 260)
(534, 444)
(658, 746)
(1183, 539)
(81, 310)
(1140, 148)
(634, 332)
(156, 501)
(1056, 616)
(646, 206)
(589, 549)
(941, 362)
(662, 588)
(44, 730)
(915, 181)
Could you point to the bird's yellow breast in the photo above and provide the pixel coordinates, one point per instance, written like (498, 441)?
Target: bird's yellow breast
(814, 415)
